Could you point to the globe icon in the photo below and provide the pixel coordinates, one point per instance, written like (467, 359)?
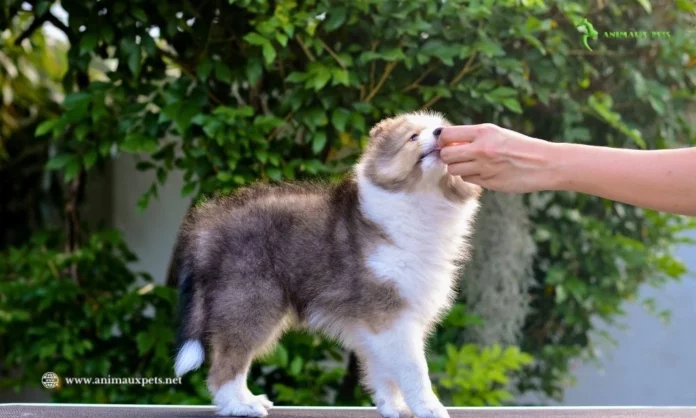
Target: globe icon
(50, 380)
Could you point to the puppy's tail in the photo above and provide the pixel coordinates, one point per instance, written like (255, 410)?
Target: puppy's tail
(191, 352)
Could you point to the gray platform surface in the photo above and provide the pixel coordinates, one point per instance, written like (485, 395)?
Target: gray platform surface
(152, 411)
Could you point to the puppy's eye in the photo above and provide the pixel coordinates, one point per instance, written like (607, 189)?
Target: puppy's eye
(413, 137)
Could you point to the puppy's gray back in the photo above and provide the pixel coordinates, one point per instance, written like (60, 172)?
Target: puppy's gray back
(297, 249)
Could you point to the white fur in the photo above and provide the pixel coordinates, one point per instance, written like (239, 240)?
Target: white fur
(234, 398)
(428, 234)
(190, 357)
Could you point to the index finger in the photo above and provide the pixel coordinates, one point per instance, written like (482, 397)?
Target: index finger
(458, 134)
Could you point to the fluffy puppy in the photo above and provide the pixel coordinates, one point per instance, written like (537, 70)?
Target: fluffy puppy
(370, 262)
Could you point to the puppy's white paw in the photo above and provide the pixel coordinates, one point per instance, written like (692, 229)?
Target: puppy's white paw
(393, 413)
(392, 409)
(263, 400)
(246, 409)
(430, 409)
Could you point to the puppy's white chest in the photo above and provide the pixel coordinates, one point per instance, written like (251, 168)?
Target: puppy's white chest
(426, 241)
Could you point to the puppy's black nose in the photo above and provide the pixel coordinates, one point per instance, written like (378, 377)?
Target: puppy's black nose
(437, 132)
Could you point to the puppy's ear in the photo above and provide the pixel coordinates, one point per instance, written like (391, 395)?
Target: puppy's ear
(379, 129)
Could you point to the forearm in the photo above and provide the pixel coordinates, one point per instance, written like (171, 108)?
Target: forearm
(663, 180)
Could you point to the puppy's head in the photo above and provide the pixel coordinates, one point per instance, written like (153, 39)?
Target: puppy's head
(403, 155)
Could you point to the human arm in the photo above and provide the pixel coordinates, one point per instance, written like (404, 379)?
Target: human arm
(504, 160)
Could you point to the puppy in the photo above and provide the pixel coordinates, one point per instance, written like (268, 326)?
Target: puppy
(370, 262)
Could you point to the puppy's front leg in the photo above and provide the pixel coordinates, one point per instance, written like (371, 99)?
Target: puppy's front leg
(385, 393)
(400, 352)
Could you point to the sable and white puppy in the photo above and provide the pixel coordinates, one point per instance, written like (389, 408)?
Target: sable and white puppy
(370, 261)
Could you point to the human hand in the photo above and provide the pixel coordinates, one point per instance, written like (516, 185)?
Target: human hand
(499, 159)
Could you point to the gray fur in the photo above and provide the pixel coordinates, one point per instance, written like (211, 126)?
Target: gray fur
(270, 256)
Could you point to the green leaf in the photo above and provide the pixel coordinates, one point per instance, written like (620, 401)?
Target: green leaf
(318, 142)
(341, 76)
(204, 67)
(358, 122)
(134, 61)
(256, 39)
(90, 158)
(394, 54)
(296, 366)
(188, 189)
(46, 126)
(138, 142)
(339, 118)
(75, 99)
(223, 72)
(321, 77)
(282, 39)
(276, 175)
(139, 13)
(489, 48)
(59, 161)
(296, 77)
(72, 168)
(262, 156)
(42, 6)
(316, 117)
(254, 70)
(336, 17)
(269, 53)
(512, 104)
(646, 5)
(503, 92)
(224, 176)
(81, 131)
(144, 341)
(88, 42)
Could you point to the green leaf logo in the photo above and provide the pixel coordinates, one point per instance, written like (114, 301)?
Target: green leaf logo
(588, 31)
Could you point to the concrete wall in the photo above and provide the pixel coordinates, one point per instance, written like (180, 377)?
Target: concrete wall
(150, 233)
(654, 364)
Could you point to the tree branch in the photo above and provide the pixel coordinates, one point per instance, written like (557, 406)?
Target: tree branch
(468, 67)
(188, 71)
(72, 219)
(417, 81)
(39, 21)
(332, 53)
(35, 24)
(387, 70)
(307, 52)
(60, 25)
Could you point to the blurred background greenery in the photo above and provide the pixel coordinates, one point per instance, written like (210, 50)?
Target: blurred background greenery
(231, 91)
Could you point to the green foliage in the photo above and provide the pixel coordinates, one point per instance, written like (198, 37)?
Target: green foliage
(306, 369)
(239, 90)
(475, 376)
(104, 321)
(470, 374)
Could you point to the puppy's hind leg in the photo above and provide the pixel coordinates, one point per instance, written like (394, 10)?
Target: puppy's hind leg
(243, 325)
(228, 382)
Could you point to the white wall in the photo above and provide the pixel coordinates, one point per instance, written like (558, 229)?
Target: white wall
(654, 364)
(150, 233)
